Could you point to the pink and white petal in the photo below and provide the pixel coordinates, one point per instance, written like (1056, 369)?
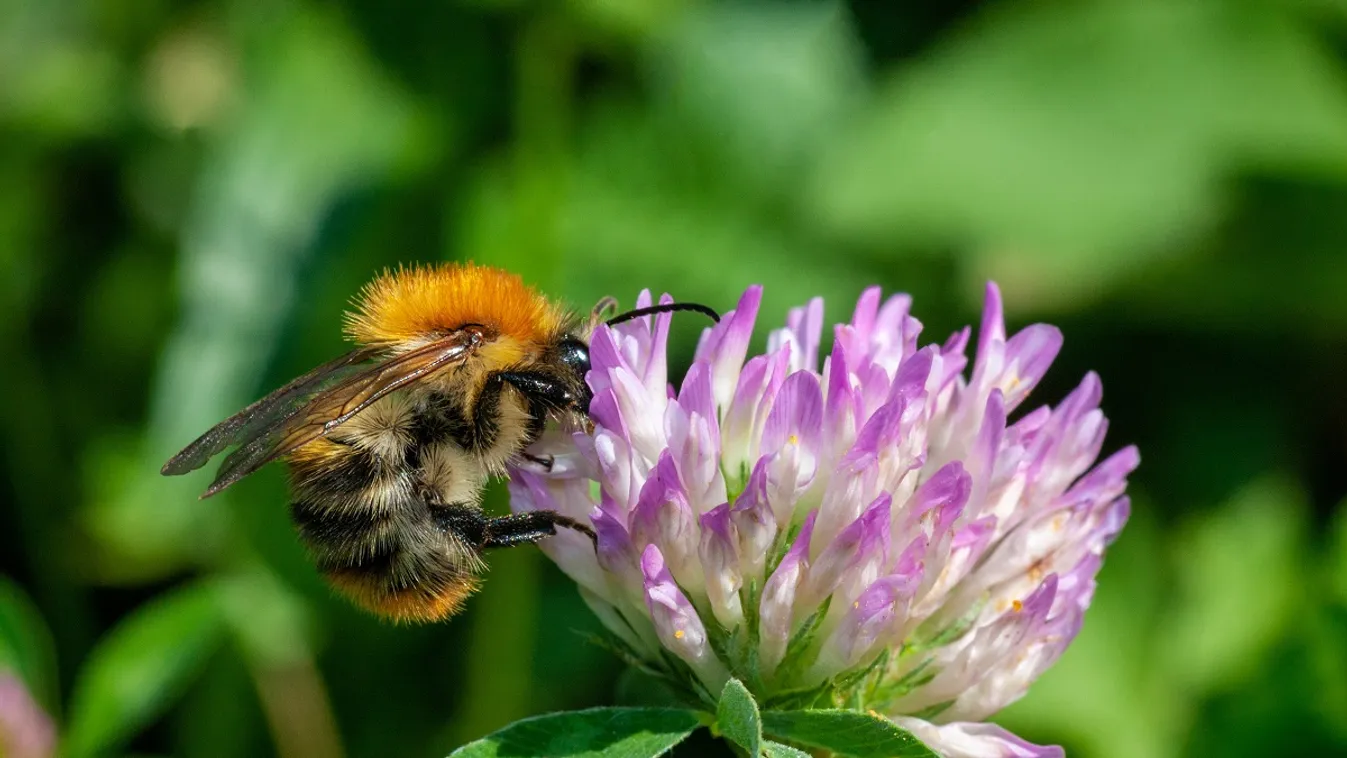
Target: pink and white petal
(26, 731)
(724, 345)
(719, 552)
(863, 318)
(1028, 355)
(864, 543)
(868, 624)
(894, 337)
(843, 405)
(677, 624)
(966, 662)
(694, 439)
(572, 551)
(663, 517)
(975, 740)
(615, 553)
(656, 374)
(804, 329)
(776, 611)
(790, 438)
(993, 325)
(742, 425)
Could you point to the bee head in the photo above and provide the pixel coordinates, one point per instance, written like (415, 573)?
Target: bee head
(574, 355)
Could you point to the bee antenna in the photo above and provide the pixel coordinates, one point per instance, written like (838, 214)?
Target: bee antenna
(664, 308)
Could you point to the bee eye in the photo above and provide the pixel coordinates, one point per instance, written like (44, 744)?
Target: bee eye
(575, 354)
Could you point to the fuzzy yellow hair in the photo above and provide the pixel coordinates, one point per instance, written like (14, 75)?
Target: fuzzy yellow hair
(412, 303)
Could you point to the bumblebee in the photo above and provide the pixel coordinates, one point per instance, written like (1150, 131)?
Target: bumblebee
(457, 369)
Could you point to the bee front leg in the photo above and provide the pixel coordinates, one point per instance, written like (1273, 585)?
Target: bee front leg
(541, 388)
(545, 461)
(545, 394)
(529, 526)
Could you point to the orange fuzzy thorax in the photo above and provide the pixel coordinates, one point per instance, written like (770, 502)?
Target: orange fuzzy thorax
(410, 304)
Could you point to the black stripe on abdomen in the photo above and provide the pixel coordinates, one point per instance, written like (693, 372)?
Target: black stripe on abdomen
(371, 531)
(325, 524)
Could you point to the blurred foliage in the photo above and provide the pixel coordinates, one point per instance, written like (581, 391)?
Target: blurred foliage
(190, 192)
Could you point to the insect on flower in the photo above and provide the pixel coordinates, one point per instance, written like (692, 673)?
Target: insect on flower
(458, 369)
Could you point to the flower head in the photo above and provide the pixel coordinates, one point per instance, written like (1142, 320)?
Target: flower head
(889, 528)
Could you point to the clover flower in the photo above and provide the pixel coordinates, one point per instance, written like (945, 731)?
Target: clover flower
(882, 531)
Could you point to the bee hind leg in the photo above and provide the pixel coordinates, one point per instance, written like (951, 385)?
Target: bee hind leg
(529, 526)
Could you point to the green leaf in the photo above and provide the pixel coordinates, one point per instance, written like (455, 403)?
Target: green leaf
(1337, 564)
(729, 70)
(25, 644)
(737, 717)
(1130, 114)
(266, 620)
(739, 648)
(854, 689)
(639, 687)
(624, 19)
(848, 733)
(800, 650)
(593, 733)
(303, 145)
(140, 667)
(63, 81)
(1251, 548)
(777, 750)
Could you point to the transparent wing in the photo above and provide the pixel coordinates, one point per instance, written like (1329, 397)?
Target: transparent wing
(289, 425)
(264, 414)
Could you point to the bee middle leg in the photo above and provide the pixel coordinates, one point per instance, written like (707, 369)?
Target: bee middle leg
(477, 528)
(529, 526)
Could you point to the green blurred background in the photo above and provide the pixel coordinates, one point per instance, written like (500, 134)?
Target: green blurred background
(190, 192)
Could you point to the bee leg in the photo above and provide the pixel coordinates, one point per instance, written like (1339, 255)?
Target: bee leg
(541, 388)
(545, 393)
(545, 461)
(529, 526)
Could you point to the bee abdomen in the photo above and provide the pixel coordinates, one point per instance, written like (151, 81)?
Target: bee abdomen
(407, 577)
(332, 527)
(374, 537)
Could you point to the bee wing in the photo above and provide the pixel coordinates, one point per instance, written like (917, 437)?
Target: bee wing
(288, 430)
(263, 414)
